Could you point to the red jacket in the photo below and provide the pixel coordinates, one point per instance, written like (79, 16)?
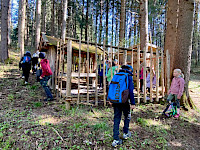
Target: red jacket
(46, 70)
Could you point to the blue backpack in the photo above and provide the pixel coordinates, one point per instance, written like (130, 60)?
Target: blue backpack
(26, 59)
(118, 89)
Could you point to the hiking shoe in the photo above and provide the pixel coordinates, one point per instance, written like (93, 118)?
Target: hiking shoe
(126, 135)
(115, 143)
(26, 83)
(23, 77)
(176, 116)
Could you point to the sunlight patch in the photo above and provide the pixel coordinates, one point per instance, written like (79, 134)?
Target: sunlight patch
(46, 119)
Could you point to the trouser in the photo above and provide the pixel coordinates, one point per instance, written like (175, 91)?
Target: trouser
(141, 84)
(118, 109)
(44, 82)
(26, 74)
(101, 81)
(177, 101)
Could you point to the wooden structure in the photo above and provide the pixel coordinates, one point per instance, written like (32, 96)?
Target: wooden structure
(89, 93)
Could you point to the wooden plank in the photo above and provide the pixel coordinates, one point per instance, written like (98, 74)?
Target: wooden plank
(104, 79)
(79, 69)
(162, 74)
(56, 68)
(69, 67)
(96, 80)
(151, 71)
(144, 73)
(168, 70)
(88, 67)
(138, 74)
(157, 75)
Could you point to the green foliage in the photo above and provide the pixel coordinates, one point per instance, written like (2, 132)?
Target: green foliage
(37, 104)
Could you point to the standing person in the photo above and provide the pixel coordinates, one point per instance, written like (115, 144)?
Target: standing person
(25, 64)
(148, 79)
(176, 89)
(123, 106)
(141, 77)
(46, 75)
(34, 62)
(100, 73)
(114, 70)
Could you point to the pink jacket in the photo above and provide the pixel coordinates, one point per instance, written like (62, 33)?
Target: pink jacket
(141, 73)
(46, 70)
(177, 87)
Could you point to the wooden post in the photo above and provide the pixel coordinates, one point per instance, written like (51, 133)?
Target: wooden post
(157, 75)
(151, 75)
(104, 79)
(111, 64)
(96, 81)
(118, 58)
(138, 74)
(168, 70)
(79, 69)
(162, 74)
(62, 71)
(132, 57)
(144, 72)
(88, 67)
(60, 67)
(69, 67)
(56, 71)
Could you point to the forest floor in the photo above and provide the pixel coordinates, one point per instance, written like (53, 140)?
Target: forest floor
(28, 123)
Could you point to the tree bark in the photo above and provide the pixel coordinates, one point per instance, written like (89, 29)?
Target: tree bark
(43, 16)
(21, 25)
(101, 20)
(4, 30)
(183, 51)
(37, 31)
(64, 20)
(52, 18)
(122, 29)
(9, 23)
(107, 11)
(171, 32)
(86, 21)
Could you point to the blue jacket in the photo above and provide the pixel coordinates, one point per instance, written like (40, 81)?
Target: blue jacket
(130, 85)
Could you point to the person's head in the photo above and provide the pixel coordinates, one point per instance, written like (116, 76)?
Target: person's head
(148, 69)
(177, 73)
(27, 54)
(42, 55)
(127, 67)
(116, 62)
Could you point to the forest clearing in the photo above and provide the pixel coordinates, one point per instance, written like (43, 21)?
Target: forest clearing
(28, 123)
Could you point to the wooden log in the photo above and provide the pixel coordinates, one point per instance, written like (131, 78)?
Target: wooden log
(88, 67)
(162, 74)
(118, 59)
(56, 71)
(157, 75)
(144, 74)
(111, 64)
(138, 75)
(69, 67)
(60, 68)
(96, 81)
(168, 70)
(104, 79)
(151, 74)
(79, 69)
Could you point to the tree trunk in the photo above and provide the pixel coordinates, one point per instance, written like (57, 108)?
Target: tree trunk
(64, 20)
(21, 25)
(82, 20)
(27, 23)
(9, 24)
(43, 16)
(101, 20)
(37, 31)
(86, 21)
(171, 32)
(4, 30)
(196, 33)
(183, 51)
(53, 18)
(122, 29)
(107, 11)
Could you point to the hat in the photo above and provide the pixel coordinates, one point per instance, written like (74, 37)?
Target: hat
(27, 53)
(127, 67)
(42, 55)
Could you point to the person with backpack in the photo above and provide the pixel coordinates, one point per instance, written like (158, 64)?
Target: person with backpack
(25, 64)
(176, 90)
(120, 91)
(45, 76)
(35, 63)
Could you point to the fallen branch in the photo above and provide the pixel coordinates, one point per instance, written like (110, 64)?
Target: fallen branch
(57, 133)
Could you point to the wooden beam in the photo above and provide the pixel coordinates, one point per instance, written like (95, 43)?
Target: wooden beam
(69, 67)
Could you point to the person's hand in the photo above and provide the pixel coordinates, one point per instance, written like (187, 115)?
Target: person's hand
(40, 77)
(109, 103)
(132, 107)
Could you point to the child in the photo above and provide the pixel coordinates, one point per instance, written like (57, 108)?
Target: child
(46, 75)
(148, 79)
(100, 72)
(25, 64)
(34, 63)
(176, 89)
(141, 77)
(114, 70)
(125, 108)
